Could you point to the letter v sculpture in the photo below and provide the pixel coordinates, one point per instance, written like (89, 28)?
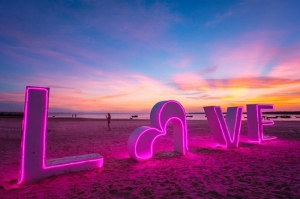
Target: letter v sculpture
(33, 147)
(226, 133)
(140, 142)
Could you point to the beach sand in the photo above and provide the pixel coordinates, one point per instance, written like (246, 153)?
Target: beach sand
(268, 170)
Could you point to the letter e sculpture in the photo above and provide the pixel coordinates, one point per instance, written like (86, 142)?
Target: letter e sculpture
(255, 123)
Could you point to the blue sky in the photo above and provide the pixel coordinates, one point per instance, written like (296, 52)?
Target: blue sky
(123, 56)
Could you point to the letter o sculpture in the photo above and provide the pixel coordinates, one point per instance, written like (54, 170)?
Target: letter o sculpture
(140, 142)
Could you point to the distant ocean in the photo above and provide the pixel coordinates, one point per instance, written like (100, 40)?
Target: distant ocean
(146, 116)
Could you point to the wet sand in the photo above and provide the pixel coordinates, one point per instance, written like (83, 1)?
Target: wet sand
(268, 170)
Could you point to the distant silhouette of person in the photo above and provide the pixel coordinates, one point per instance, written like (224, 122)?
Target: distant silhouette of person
(108, 117)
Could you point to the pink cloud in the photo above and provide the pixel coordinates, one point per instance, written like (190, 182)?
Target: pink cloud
(247, 55)
(183, 62)
(288, 63)
(121, 92)
(74, 64)
(195, 82)
(11, 33)
(190, 81)
(287, 69)
(243, 60)
(12, 96)
(209, 70)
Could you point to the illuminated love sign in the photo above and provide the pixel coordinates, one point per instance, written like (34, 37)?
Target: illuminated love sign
(140, 142)
(226, 133)
(33, 149)
(34, 165)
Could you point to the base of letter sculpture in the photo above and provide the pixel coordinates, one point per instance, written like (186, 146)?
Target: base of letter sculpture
(255, 122)
(33, 149)
(226, 133)
(140, 142)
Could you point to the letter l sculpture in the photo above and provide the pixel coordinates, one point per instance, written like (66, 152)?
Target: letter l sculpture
(33, 148)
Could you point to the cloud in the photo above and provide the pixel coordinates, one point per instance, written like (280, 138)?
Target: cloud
(249, 54)
(125, 92)
(127, 21)
(95, 92)
(182, 62)
(246, 59)
(139, 25)
(287, 68)
(95, 34)
(286, 99)
(219, 18)
(11, 106)
(209, 70)
(253, 83)
(209, 97)
(11, 96)
(238, 91)
(86, 57)
(192, 82)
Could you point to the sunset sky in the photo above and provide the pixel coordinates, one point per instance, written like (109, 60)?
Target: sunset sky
(124, 56)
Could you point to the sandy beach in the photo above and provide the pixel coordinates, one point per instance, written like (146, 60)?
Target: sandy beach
(268, 170)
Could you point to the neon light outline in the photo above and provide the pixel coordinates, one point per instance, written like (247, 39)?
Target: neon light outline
(98, 161)
(159, 129)
(163, 132)
(214, 113)
(256, 121)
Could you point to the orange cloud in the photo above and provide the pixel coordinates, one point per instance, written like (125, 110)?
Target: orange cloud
(122, 93)
(190, 82)
(12, 96)
(238, 91)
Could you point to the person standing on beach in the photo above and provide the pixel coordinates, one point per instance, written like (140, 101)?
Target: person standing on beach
(108, 117)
